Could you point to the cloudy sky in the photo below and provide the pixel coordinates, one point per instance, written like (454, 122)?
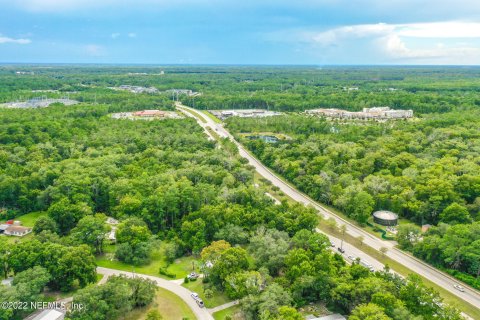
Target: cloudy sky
(324, 32)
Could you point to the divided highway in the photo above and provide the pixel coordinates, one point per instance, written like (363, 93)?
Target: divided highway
(443, 280)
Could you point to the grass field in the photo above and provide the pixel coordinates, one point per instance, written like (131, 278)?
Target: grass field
(28, 220)
(181, 267)
(229, 312)
(211, 116)
(170, 306)
(217, 299)
(200, 117)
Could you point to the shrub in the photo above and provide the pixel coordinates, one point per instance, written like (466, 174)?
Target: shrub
(165, 272)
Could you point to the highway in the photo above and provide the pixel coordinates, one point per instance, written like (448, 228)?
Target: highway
(443, 280)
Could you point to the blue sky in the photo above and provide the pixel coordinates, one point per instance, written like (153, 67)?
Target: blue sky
(241, 32)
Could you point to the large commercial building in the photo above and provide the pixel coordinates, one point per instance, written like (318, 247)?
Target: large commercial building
(379, 113)
(244, 113)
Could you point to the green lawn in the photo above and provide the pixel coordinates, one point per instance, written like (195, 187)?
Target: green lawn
(200, 117)
(28, 220)
(211, 116)
(221, 315)
(217, 299)
(181, 267)
(170, 306)
(213, 133)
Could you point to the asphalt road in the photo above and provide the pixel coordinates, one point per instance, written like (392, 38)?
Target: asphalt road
(183, 293)
(443, 280)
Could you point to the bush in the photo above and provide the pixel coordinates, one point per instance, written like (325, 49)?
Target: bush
(186, 280)
(153, 315)
(163, 271)
(138, 254)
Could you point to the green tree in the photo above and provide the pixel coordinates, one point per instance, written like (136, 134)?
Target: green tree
(91, 230)
(230, 261)
(153, 314)
(45, 223)
(239, 284)
(455, 214)
(66, 214)
(133, 231)
(369, 311)
(214, 251)
(194, 235)
(408, 235)
(269, 248)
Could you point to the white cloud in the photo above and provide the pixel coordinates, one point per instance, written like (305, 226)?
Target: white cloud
(332, 36)
(11, 40)
(94, 50)
(132, 35)
(395, 48)
(115, 35)
(391, 40)
(449, 29)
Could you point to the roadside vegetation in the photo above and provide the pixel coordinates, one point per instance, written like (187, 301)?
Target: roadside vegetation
(184, 203)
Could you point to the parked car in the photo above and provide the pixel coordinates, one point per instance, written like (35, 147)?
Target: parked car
(341, 250)
(200, 303)
(195, 296)
(332, 244)
(459, 287)
(351, 257)
(193, 275)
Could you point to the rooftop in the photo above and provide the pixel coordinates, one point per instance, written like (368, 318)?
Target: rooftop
(385, 215)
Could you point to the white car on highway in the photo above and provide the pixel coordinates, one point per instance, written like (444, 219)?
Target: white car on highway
(459, 288)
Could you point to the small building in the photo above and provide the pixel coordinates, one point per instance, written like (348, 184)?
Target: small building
(385, 218)
(17, 231)
(112, 221)
(335, 316)
(425, 227)
(4, 227)
(7, 282)
(112, 235)
(50, 314)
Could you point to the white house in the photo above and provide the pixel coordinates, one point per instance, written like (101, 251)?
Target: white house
(17, 231)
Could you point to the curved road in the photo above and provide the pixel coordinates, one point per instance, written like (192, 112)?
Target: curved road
(183, 293)
(447, 282)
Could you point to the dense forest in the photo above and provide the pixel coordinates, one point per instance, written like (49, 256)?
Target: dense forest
(168, 185)
(424, 169)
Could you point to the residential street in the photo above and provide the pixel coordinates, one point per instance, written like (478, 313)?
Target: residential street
(183, 293)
